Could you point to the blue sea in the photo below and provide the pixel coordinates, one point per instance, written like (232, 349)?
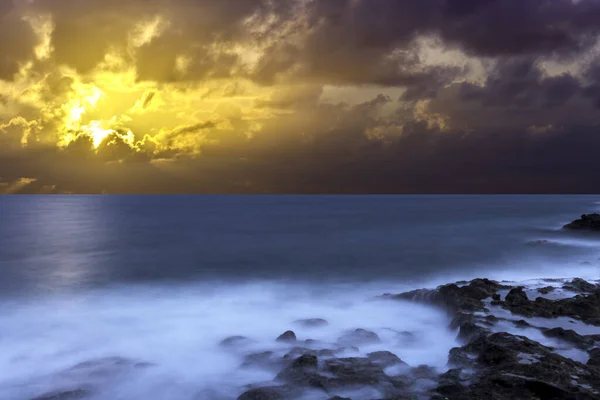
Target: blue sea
(119, 282)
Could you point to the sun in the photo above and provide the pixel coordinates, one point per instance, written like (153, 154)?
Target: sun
(84, 99)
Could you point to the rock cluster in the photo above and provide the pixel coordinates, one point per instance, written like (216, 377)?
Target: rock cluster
(587, 222)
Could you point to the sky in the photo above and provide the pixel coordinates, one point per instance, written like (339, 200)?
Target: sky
(299, 96)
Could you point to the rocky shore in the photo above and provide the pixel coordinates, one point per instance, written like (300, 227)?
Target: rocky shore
(490, 364)
(514, 341)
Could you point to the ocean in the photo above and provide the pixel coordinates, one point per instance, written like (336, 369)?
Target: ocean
(128, 297)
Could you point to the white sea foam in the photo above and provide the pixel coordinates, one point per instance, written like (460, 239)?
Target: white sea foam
(178, 330)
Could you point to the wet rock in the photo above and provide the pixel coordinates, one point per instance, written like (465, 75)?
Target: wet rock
(266, 393)
(287, 337)
(522, 324)
(385, 359)
(587, 222)
(516, 297)
(594, 360)
(302, 372)
(424, 372)
(499, 372)
(568, 335)
(353, 372)
(235, 341)
(460, 358)
(312, 323)
(546, 290)
(496, 297)
(339, 398)
(580, 285)
(67, 395)
(585, 308)
(467, 326)
(455, 298)
(359, 337)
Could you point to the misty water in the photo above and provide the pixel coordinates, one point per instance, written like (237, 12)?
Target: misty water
(128, 297)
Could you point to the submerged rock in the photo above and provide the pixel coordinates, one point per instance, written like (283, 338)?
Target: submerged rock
(235, 341)
(287, 337)
(546, 290)
(359, 337)
(68, 395)
(587, 222)
(312, 323)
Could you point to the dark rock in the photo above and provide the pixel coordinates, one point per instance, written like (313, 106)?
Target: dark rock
(455, 298)
(522, 324)
(287, 337)
(580, 285)
(354, 371)
(594, 360)
(312, 323)
(425, 372)
(235, 341)
(450, 384)
(546, 290)
(496, 297)
(499, 372)
(68, 395)
(339, 398)
(516, 297)
(587, 222)
(568, 336)
(305, 361)
(385, 359)
(266, 393)
(359, 337)
(585, 308)
(458, 357)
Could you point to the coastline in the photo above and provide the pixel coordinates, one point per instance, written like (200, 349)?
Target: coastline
(516, 342)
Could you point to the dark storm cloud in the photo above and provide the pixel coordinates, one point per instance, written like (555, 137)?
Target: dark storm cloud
(520, 128)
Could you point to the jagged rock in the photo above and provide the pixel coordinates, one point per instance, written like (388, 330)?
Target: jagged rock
(424, 372)
(568, 335)
(455, 298)
(287, 337)
(385, 359)
(500, 372)
(354, 371)
(546, 290)
(68, 395)
(516, 297)
(587, 222)
(458, 357)
(580, 285)
(359, 337)
(266, 393)
(522, 324)
(585, 308)
(594, 360)
(312, 322)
